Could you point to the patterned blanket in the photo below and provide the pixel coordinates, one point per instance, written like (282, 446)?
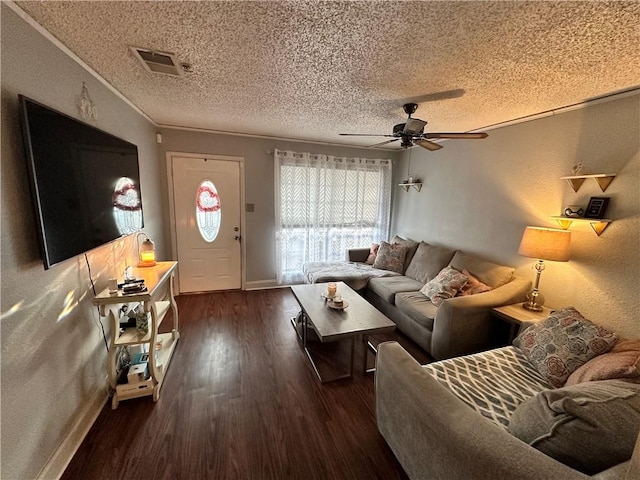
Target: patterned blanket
(354, 274)
(493, 383)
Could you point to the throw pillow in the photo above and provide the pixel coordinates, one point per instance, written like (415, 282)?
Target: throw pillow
(412, 247)
(590, 427)
(622, 362)
(391, 257)
(373, 252)
(445, 285)
(473, 286)
(564, 341)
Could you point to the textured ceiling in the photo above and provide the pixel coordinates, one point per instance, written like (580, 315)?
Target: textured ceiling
(310, 70)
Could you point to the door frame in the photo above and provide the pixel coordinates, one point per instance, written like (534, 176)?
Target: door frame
(172, 211)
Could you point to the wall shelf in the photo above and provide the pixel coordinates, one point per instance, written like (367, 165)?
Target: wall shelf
(407, 186)
(598, 225)
(603, 179)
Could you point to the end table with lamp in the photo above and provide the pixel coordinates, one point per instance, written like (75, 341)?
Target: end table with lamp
(517, 317)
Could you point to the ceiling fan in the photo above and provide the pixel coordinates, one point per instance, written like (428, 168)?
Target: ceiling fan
(412, 133)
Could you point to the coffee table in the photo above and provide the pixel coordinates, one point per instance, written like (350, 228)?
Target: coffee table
(328, 325)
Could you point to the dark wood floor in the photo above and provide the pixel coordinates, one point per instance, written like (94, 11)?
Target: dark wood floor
(241, 401)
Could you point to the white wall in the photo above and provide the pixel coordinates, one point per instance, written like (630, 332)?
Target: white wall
(53, 355)
(478, 195)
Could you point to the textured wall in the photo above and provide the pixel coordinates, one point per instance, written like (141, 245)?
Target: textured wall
(479, 196)
(53, 356)
(259, 234)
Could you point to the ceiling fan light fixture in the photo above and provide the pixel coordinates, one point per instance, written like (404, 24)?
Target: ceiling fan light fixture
(413, 126)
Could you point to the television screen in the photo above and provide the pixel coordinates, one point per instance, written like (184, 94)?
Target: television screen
(85, 182)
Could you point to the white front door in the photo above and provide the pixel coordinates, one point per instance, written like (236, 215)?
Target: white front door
(207, 200)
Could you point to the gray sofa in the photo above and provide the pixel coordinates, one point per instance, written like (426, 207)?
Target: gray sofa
(460, 325)
(435, 435)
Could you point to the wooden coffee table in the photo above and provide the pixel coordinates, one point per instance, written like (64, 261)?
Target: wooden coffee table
(323, 324)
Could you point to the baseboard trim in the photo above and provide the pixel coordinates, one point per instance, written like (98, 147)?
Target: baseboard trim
(61, 458)
(262, 284)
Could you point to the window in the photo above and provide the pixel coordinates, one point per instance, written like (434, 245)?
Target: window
(208, 211)
(325, 205)
(127, 209)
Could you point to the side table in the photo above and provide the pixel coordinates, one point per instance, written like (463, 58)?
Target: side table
(515, 315)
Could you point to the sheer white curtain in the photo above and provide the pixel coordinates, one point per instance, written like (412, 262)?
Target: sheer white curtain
(326, 204)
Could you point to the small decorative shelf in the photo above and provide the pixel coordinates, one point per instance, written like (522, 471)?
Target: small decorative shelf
(407, 186)
(598, 225)
(603, 179)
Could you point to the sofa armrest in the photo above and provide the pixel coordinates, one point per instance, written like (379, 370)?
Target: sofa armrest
(463, 325)
(436, 436)
(357, 254)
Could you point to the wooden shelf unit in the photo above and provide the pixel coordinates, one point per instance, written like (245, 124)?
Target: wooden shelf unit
(156, 301)
(603, 179)
(407, 186)
(598, 225)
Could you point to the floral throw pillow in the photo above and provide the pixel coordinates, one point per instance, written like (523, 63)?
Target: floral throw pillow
(391, 257)
(560, 344)
(373, 253)
(473, 285)
(445, 285)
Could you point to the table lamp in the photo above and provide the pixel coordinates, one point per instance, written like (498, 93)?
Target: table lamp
(146, 252)
(543, 244)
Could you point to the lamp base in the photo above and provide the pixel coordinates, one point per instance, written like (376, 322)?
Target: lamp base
(534, 307)
(147, 264)
(534, 302)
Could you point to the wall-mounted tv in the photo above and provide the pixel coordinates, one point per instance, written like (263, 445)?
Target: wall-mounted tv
(85, 183)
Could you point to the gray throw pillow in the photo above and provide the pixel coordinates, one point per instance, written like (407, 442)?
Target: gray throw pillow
(591, 426)
(428, 261)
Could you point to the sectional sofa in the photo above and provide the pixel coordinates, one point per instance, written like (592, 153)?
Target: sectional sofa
(503, 413)
(459, 325)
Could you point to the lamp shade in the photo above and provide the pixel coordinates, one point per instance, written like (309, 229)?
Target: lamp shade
(545, 244)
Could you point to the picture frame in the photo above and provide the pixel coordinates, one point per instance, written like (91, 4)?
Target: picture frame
(596, 207)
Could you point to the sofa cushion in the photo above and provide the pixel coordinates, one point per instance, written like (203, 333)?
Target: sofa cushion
(412, 246)
(487, 272)
(590, 427)
(418, 307)
(391, 257)
(428, 261)
(446, 285)
(622, 362)
(387, 287)
(473, 285)
(564, 341)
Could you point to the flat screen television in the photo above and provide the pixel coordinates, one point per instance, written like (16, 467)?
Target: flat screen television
(85, 182)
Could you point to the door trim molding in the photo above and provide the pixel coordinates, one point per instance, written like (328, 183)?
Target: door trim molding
(172, 211)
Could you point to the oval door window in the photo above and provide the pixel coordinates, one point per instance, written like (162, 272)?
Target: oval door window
(208, 211)
(127, 209)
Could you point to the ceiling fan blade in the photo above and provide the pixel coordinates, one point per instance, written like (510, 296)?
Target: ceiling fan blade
(413, 126)
(383, 143)
(456, 135)
(365, 135)
(431, 146)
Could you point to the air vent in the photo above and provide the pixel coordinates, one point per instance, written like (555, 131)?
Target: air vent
(158, 62)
